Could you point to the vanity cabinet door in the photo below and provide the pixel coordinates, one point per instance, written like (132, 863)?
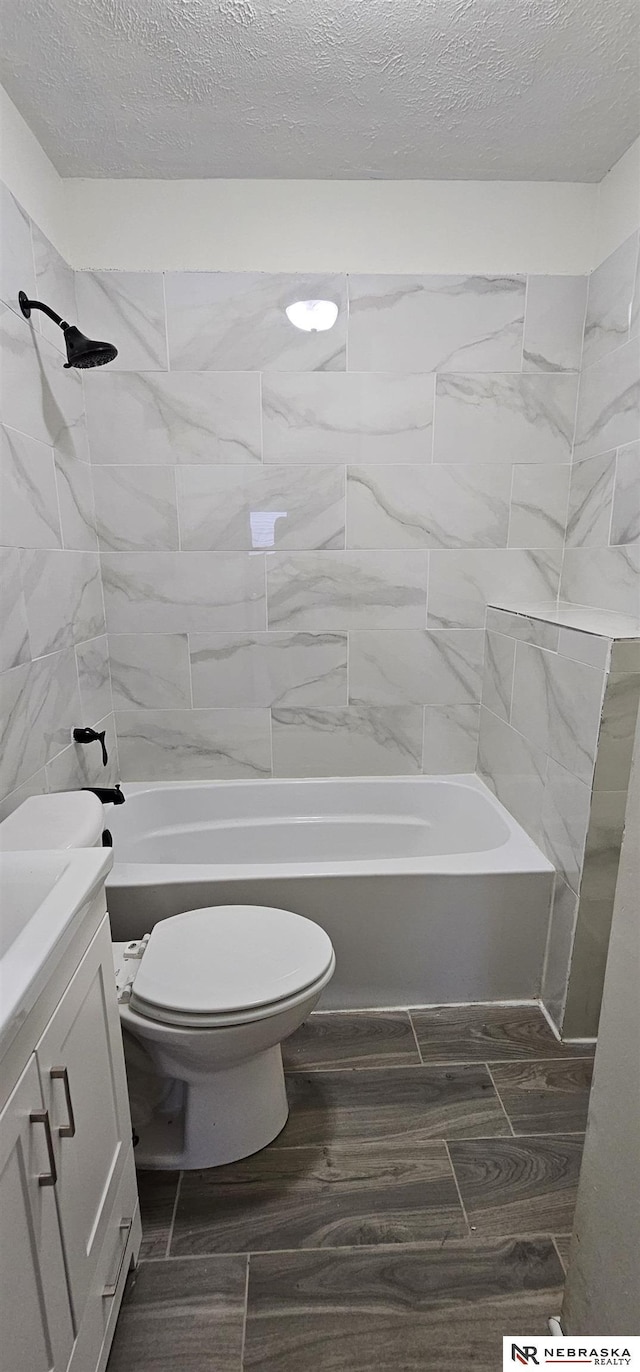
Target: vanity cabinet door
(82, 1073)
(36, 1333)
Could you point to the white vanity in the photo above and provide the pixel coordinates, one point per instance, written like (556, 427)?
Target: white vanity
(70, 1225)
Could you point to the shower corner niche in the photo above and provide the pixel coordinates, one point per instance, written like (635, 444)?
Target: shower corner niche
(561, 694)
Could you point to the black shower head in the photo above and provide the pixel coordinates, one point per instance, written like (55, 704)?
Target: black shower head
(86, 352)
(81, 351)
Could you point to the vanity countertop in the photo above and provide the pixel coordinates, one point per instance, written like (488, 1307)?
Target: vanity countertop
(44, 897)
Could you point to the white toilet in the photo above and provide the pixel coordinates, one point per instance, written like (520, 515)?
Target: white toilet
(205, 1000)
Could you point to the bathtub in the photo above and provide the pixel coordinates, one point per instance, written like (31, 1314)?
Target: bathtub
(429, 889)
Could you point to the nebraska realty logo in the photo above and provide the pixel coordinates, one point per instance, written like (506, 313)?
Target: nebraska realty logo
(589, 1351)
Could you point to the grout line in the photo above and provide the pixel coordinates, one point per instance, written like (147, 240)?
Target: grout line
(190, 669)
(504, 1108)
(552, 1025)
(560, 1257)
(347, 521)
(532, 1004)
(267, 625)
(524, 322)
(550, 923)
(432, 454)
(32, 245)
(599, 361)
(533, 1138)
(347, 309)
(530, 744)
(427, 595)
(585, 312)
(613, 499)
(457, 1185)
(261, 414)
(56, 485)
(166, 321)
(572, 455)
(246, 1312)
(415, 1245)
(413, 1030)
(177, 495)
(270, 714)
(384, 1140)
(173, 1216)
(317, 1069)
(382, 1066)
(512, 686)
(510, 514)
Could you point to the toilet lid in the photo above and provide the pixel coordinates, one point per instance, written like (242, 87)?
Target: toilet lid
(230, 957)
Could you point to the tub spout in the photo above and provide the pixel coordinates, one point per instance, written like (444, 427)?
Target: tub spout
(109, 795)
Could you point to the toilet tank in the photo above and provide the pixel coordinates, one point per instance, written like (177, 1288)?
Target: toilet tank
(65, 819)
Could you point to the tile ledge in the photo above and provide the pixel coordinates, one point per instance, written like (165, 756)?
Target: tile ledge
(588, 620)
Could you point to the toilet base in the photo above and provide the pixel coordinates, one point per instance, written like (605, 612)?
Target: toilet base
(223, 1117)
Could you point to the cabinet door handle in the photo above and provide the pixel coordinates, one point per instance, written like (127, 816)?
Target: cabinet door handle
(110, 1289)
(46, 1178)
(66, 1131)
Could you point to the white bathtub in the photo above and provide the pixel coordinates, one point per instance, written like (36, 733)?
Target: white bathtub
(429, 889)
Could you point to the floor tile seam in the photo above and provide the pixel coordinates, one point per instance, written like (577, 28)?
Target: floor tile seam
(173, 1215)
(554, 1238)
(521, 1138)
(391, 1067)
(377, 1141)
(245, 1311)
(457, 1062)
(543, 1134)
(535, 1062)
(383, 1067)
(502, 1104)
(457, 1186)
(413, 1031)
(436, 1138)
(420, 1142)
(507, 1062)
(203, 1257)
(393, 1138)
(533, 1007)
(468, 1243)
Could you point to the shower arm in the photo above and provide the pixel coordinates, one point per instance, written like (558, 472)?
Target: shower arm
(27, 306)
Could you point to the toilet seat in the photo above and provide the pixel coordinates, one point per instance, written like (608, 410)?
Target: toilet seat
(226, 965)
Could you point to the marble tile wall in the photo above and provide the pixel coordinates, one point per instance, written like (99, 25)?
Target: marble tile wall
(54, 656)
(602, 555)
(307, 526)
(556, 757)
(299, 532)
(557, 723)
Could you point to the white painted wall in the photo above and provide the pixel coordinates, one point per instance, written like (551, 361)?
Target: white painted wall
(618, 211)
(371, 226)
(29, 174)
(603, 1283)
(366, 226)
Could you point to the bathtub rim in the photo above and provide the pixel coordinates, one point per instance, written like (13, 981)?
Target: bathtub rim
(519, 854)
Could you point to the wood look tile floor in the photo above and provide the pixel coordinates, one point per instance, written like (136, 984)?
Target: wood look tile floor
(415, 1207)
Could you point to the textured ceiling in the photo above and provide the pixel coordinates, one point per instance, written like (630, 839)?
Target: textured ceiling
(509, 89)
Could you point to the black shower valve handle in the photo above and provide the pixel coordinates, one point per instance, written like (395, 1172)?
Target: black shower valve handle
(92, 736)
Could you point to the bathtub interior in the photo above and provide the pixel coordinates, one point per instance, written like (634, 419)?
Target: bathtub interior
(308, 822)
